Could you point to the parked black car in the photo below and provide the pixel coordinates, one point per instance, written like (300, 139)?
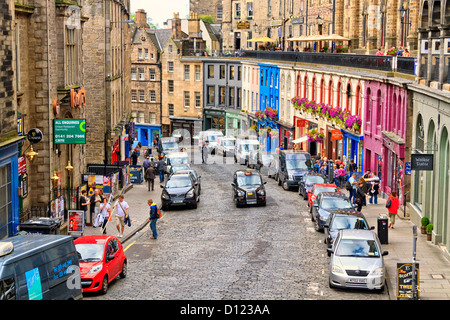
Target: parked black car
(180, 190)
(327, 203)
(293, 165)
(342, 219)
(307, 183)
(196, 177)
(248, 188)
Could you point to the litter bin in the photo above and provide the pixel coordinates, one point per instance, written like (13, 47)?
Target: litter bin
(383, 226)
(41, 226)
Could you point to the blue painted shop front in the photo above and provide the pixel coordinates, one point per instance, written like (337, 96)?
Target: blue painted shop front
(9, 184)
(353, 147)
(146, 134)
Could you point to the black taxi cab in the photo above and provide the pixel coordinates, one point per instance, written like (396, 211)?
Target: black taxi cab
(248, 188)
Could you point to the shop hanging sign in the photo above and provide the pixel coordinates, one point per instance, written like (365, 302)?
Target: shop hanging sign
(34, 136)
(423, 162)
(69, 131)
(336, 135)
(77, 98)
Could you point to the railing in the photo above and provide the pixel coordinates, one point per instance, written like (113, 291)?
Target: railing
(403, 65)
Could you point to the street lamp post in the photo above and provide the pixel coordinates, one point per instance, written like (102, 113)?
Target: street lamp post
(69, 169)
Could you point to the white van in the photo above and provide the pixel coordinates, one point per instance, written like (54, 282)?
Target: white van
(243, 149)
(210, 138)
(226, 146)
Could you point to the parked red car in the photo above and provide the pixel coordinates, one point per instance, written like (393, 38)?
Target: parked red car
(101, 259)
(319, 188)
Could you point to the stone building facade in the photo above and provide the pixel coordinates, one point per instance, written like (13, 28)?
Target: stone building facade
(213, 8)
(70, 60)
(146, 81)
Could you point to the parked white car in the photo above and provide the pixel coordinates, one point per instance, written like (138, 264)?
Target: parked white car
(243, 149)
(226, 146)
(209, 137)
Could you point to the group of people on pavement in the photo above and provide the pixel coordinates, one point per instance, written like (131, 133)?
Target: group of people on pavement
(368, 185)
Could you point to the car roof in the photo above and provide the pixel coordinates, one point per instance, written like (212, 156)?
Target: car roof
(334, 194)
(93, 239)
(178, 173)
(247, 171)
(360, 234)
(347, 213)
(324, 185)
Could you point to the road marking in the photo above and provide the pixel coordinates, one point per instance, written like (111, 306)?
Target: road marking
(129, 246)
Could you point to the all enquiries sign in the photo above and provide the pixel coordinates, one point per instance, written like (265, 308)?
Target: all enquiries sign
(69, 131)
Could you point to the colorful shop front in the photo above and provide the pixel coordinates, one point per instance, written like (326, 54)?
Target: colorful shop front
(146, 134)
(353, 148)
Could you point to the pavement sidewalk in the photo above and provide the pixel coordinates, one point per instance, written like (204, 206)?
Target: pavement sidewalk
(434, 267)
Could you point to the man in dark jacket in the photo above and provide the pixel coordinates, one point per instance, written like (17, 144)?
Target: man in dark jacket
(161, 167)
(150, 177)
(153, 217)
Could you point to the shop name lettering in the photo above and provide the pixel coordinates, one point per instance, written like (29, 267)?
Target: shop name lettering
(228, 309)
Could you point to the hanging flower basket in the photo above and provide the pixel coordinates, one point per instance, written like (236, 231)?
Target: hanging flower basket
(315, 136)
(271, 113)
(259, 115)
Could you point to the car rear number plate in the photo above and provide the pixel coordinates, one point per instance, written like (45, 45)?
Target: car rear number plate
(177, 201)
(251, 201)
(357, 280)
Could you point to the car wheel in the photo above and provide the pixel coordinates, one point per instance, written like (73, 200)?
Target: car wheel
(285, 185)
(105, 284)
(316, 226)
(194, 206)
(123, 274)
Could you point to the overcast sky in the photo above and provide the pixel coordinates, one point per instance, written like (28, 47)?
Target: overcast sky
(161, 10)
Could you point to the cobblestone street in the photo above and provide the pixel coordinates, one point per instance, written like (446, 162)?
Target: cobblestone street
(218, 251)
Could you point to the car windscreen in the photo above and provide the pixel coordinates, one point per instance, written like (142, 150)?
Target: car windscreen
(89, 252)
(298, 162)
(250, 147)
(179, 182)
(179, 168)
(318, 190)
(228, 143)
(357, 248)
(248, 180)
(178, 160)
(169, 145)
(314, 179)
(336, 203)
(213, 138)
(348, 222)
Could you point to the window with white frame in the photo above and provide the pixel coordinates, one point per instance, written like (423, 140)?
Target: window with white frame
(197, 73)
(152, 74)
(133, 74)
(139, 53)
(133, 95)
(141, 74)
(198, 100)
(187, 99)
(187, 71)
(146, 53)
(170, 66)
(152, 96)
(141, 96)
(152, 117)
(170, 86)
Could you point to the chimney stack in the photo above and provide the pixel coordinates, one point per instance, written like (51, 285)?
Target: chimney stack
(176, 26)
(141, 18)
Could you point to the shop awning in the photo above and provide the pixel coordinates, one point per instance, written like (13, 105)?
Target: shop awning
(262, 39)
(300, 140)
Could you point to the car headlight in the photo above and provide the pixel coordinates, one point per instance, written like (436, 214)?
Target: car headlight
(190, 193)
(337, 269)
(377, 272)
(240, 194)
(165, 195)
(96, 268)
(261, 192)
(290, 177)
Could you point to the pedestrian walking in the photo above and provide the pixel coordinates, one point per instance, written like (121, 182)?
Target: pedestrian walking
(95, 202)
(134, 158)
(352, 167)
(374, 192)
(150, 177)
(353, 183)
(161, 167)
(364, 188)
(204, 152)
(105, 208)
(84, 203)
(359, 196)
(121, 214)
(153, 217)
(392, 204)
(146, 163)
(342, 176)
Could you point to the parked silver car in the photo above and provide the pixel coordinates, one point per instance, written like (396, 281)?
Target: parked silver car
(357, 260)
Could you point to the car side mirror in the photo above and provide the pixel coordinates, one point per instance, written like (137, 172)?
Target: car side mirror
(162, 186)
(110, 257)
(265, 182)
(233, 184)
(330, 251)
(372, 228)
(385, 253)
